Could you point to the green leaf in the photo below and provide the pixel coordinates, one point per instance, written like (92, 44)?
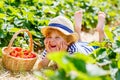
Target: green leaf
(1, 4)
(62, 61)
(3, 34)
(13, 10)
(86, 58)
(111, 54)
(117, 75)
(112, 13)
(97, 43)
(14, 29)
(49, 72)
(118, 64)
(2, 16)
(78, 63)
(108, 33)
(61, 74)
(0, 52)
(19, 22)
(100, 52)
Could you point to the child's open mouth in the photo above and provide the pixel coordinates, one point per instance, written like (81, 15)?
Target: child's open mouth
(53, 46)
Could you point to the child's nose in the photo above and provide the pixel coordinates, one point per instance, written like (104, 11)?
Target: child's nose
(52, 40)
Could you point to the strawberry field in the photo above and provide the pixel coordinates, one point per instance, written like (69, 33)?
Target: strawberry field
(102, 64)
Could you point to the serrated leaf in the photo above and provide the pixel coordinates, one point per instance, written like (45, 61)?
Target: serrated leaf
(118, 64)
(117, 75)
(2, 15)
(3, 34)
(1, 4)
(14, 29)
(108, 33)
(84, 57)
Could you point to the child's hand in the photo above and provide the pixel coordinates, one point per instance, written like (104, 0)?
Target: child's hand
(47, 46)
(63, 46)
(46, 42)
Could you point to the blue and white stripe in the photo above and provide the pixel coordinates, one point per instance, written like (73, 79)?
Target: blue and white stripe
(81, 47)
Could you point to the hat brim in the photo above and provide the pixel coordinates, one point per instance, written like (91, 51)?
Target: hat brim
(74, 36)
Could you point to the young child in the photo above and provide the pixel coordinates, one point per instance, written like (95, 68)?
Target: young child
(60, 36)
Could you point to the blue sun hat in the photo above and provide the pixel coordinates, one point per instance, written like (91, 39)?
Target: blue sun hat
(63, 25)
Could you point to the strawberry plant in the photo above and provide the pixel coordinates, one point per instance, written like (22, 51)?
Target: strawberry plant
(33, 14)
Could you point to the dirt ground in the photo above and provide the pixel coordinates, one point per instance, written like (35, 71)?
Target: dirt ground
(33, 75)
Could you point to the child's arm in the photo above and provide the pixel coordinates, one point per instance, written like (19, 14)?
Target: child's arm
(43, 63)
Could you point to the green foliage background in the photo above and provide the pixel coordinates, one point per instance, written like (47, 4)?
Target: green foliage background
(33, 14)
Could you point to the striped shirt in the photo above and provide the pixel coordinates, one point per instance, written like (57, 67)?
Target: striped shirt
(81, 47)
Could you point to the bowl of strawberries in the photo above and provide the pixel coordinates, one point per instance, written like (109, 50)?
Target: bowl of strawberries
(17, 58)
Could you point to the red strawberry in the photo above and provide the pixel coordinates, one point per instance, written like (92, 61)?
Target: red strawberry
(14, 53)
(18, 52)
(18, 49)
(26, 52)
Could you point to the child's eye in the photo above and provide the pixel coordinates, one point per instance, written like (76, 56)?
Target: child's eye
(48, 37)
(57, 37)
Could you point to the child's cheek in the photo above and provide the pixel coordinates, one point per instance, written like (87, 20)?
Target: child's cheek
(46, 41)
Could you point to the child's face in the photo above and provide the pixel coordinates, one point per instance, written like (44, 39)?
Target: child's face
(54, 41)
